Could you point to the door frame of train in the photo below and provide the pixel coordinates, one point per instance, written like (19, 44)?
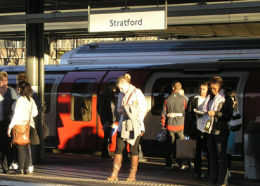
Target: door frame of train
(73, 130)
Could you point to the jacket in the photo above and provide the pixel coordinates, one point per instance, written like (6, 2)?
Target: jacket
(175, 103)
(190, 126)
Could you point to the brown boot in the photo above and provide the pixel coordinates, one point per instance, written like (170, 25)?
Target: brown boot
(134, 164)
(116, 167)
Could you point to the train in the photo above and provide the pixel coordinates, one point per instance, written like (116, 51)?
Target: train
(72, 88)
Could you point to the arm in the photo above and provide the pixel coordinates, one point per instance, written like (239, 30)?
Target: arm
(226, 111)
(164, 113)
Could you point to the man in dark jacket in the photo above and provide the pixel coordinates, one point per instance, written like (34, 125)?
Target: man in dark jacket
(191, 127)
(108, 115)
(173, 120)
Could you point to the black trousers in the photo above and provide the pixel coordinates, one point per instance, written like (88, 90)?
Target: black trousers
(106, 141)
(120, 145)
(218, 160)
(23, 157)
(201, 140)
(171, 146)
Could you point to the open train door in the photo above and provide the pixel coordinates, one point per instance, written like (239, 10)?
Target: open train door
(77, 123)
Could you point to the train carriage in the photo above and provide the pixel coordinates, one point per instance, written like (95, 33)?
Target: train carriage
(72, 88)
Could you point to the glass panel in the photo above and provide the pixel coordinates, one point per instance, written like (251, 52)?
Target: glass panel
(81, 99)
(163, 86)
(47, 95)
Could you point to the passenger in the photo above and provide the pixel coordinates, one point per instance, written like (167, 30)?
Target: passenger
(108, 115)
(35, 125)
(192, 127)
(24, 109)
(218, 105)
(7, 98)
(173, 120)
(131, 108)
(234, 125)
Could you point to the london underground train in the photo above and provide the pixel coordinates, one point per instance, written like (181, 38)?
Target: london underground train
(72, 88)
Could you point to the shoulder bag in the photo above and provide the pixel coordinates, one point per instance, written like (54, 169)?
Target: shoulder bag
(21, 133)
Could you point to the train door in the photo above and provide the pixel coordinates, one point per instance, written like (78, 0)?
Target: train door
(77, 122)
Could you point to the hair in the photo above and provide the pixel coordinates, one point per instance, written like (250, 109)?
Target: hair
(205, 83)
(177, 86)
(21, 77)
(216, 80)
(126, 78)
(25, 89)
(2, 75)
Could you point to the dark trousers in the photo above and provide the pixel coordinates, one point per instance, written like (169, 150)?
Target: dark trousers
(6, 156)
(120, 145)
(201, 145)
(171, 146)
(23, 157)
(106, 141)
(218, 160)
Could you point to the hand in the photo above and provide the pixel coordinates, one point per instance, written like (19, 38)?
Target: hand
(9, 132)
(142, 133)
(211, 113)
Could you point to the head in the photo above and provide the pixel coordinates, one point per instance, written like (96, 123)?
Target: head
(176, 86)
(21, 77)
(24, 89)
(110, 87)
(233, 96)
(3, 79)
(123, 83)
(215, 84)
(204, 89)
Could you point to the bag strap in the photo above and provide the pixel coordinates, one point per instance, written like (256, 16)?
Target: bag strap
(30, 115)
(128, 99)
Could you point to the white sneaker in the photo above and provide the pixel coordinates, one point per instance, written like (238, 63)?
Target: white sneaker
(31, 168)
(13, 166)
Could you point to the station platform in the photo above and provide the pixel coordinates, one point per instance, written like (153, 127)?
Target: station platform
(84, 169)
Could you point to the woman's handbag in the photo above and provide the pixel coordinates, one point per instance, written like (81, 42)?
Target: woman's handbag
(34, 138)
(162, 136)
(21, 134)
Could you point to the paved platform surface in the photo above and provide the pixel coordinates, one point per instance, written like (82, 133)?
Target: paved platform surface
(82, 169)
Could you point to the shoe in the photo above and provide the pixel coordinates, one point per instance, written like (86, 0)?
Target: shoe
(116, 167)
(30, 169)
(6, 172)
(183, 167)
(18, 172)
(133, 170)
(191, 165)
(13, 166)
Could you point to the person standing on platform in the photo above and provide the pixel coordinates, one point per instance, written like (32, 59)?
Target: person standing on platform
(219, 107)
(108, 115)
(173, 114)
(7, 98)
(131, 108)
(24, 109)
(192, 126)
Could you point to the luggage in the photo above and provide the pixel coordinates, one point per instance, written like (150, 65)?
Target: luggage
(185, 149)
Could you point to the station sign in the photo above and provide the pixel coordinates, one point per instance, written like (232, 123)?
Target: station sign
(127, 21)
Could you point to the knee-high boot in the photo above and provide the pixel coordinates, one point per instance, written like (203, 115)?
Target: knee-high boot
(133, 170)
(116, 167)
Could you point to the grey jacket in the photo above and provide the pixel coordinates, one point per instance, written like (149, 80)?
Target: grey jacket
(131, 126)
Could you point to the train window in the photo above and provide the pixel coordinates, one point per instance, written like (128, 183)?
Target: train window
(162, 88)
(47, 94)
(81, 99)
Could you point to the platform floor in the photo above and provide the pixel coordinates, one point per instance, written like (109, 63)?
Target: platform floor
(82, 169)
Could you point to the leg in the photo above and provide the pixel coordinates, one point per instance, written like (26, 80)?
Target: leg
(27, 158)
(21, 158)
(134, 150)
(213, 159)
(223, 159)
(105, 153)
(120, 145)
(197, 161)
(169, 145)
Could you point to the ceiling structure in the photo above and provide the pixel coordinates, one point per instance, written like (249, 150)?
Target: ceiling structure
(186, 18)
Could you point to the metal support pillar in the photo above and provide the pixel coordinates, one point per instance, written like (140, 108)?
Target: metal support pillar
(35, 63)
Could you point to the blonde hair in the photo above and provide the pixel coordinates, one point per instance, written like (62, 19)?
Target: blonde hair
(126, 78)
